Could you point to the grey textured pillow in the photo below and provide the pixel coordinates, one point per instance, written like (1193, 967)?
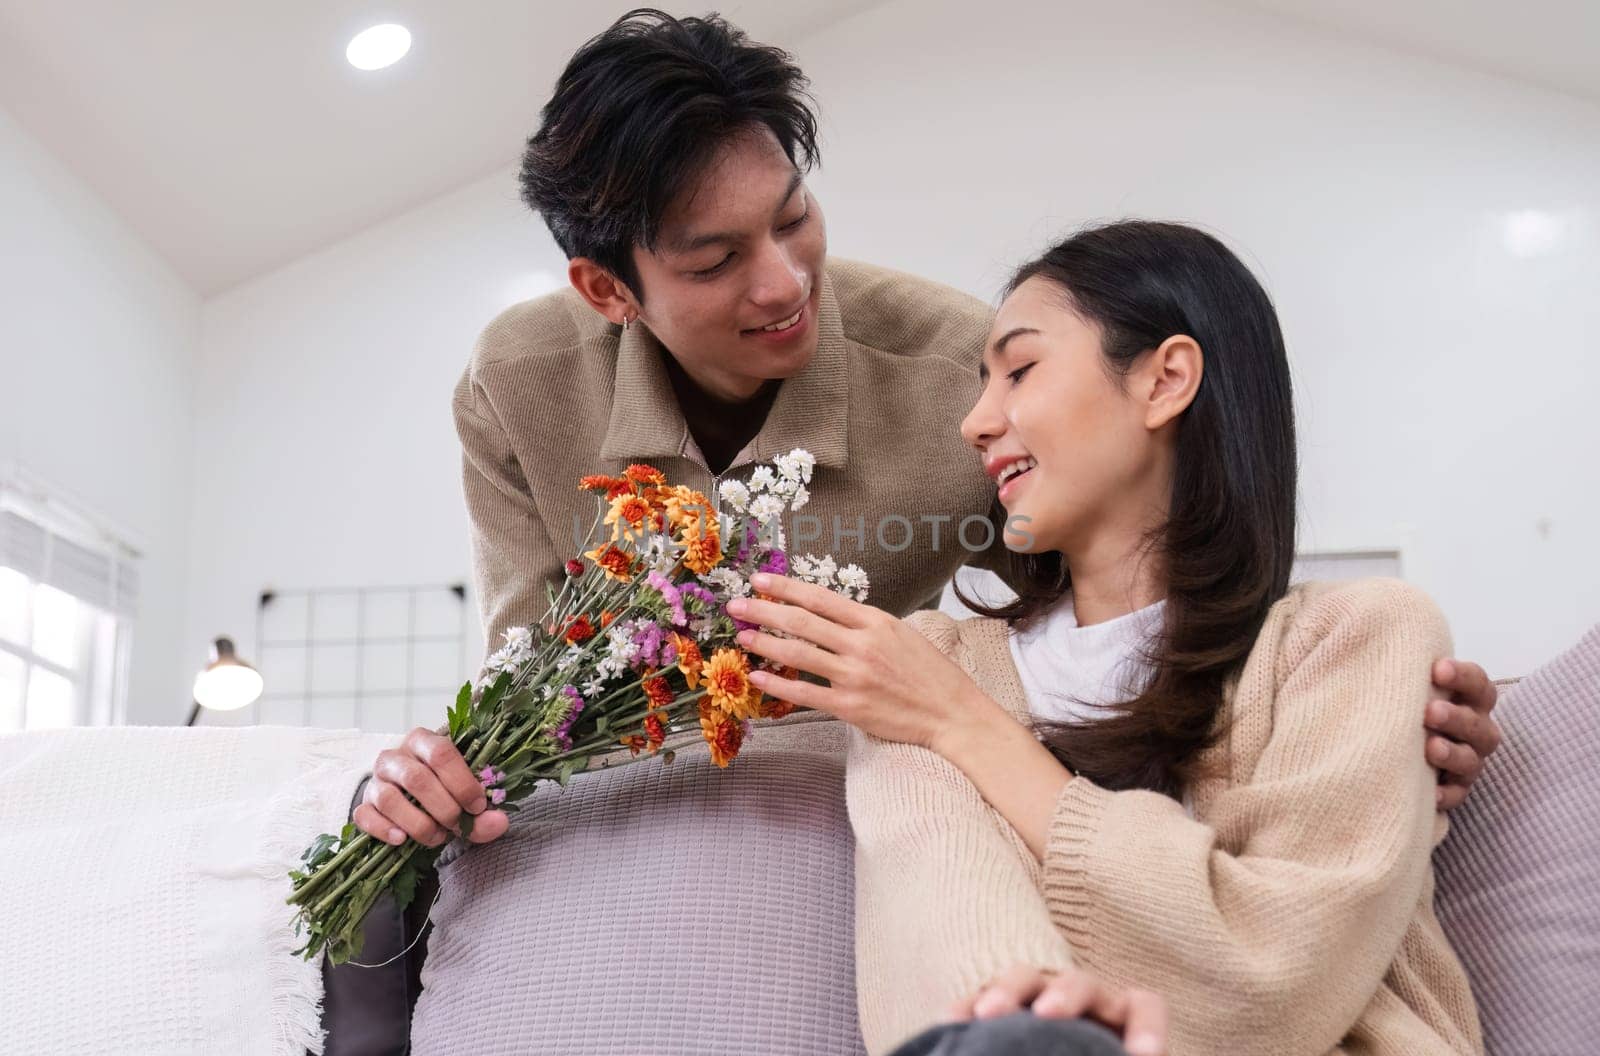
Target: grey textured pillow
(1518, 890)
(657, 910)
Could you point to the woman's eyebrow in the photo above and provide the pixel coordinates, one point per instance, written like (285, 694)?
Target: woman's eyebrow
(999, 348)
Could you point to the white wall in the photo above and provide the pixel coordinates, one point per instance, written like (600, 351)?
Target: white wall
(97, 343)
(1431, 236)
(327, 455)
(1442, 378)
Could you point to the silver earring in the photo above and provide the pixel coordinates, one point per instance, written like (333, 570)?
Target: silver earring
(625, 321)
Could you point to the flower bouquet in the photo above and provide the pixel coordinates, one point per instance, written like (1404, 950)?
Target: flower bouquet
(636, 645)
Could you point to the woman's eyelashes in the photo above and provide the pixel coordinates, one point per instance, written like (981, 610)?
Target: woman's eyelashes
(1016, 375)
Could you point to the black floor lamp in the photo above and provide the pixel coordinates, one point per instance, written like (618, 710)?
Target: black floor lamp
(226, 684)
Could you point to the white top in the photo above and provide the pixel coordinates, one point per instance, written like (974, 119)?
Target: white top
(1068, 672)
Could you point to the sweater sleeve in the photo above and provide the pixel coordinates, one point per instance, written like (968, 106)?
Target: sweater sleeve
(513, 556)
(1271, 925)
(947, 893)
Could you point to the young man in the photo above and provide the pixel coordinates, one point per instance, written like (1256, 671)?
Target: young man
(707, 329)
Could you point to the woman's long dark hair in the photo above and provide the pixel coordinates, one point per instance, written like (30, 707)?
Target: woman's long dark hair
(1228, 546)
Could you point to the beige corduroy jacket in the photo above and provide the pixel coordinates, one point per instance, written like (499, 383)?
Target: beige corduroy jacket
(554, 391)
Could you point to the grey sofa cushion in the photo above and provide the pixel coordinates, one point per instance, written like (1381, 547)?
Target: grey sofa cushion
(657, 909)
(1519, 874)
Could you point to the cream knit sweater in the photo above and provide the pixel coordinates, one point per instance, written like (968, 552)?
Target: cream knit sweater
(1293, 913)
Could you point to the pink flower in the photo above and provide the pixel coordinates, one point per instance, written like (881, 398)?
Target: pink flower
(498, 796)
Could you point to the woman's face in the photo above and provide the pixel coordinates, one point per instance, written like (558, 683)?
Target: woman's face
(1090, 462)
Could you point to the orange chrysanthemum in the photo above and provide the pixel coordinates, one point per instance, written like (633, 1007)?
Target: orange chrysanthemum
(776, 709)
(727, 679)
(702, 552)
(634, 744)
(630, 510)
(612, 486)
(658, 691)
(640, 473)
(606, 618)
(654, 732)
(579, 629)
(689, 658)
(613, 562)
(772, 707)
(687, 510)
(725, 735)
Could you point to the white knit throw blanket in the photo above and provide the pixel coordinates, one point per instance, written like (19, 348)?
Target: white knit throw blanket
(143, 872)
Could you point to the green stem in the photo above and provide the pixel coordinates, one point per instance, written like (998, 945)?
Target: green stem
(328, 869)
(359, 875)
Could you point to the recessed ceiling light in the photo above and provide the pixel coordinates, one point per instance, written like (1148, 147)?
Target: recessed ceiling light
(380, 46)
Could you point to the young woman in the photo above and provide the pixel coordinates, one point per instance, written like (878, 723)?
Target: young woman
(1203, 782)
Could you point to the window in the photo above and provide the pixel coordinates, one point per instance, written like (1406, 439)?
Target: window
(66, 609)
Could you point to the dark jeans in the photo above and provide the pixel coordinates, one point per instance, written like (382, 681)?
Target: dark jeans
(1019, 1034)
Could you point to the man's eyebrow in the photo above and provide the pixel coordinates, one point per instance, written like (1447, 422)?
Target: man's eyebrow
(999, 348)
(689, 245)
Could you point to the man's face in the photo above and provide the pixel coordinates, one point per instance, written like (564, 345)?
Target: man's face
(739, 255)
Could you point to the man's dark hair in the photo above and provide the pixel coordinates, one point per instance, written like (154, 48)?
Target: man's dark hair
(637, 115)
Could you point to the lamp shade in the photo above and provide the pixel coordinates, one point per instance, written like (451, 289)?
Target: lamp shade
(227, 683)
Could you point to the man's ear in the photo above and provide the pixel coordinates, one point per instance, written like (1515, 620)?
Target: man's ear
(1172, 375)
(605, 292)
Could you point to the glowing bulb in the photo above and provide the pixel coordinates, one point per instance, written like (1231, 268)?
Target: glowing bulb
(380, 46)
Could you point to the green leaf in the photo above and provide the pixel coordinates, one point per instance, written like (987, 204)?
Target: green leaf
(465, 824)
(348, 833)
(320, 850)
(603, 725)
(509, 807)
(566, 772)
(405, 886)
(460, 713)
(491, 699)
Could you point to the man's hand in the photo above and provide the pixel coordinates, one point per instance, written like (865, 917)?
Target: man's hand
(1464, 734)
(427, 768)
(1138, 1016)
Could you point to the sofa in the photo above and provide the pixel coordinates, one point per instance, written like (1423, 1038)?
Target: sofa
(146, 870)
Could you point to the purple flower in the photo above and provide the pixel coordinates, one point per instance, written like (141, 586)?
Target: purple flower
(744, 547)
(701, 594)
(650, 638)
(563, 734)
(498, 796)
(486, 776)
(777, 563)
(671, 595)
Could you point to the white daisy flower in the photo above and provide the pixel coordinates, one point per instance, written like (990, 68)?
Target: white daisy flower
(762, 479)
(766, 508)
(728, 583)
(736, 494)
(569, 658)
(853, 578)
(806, 462)
(800, 498)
